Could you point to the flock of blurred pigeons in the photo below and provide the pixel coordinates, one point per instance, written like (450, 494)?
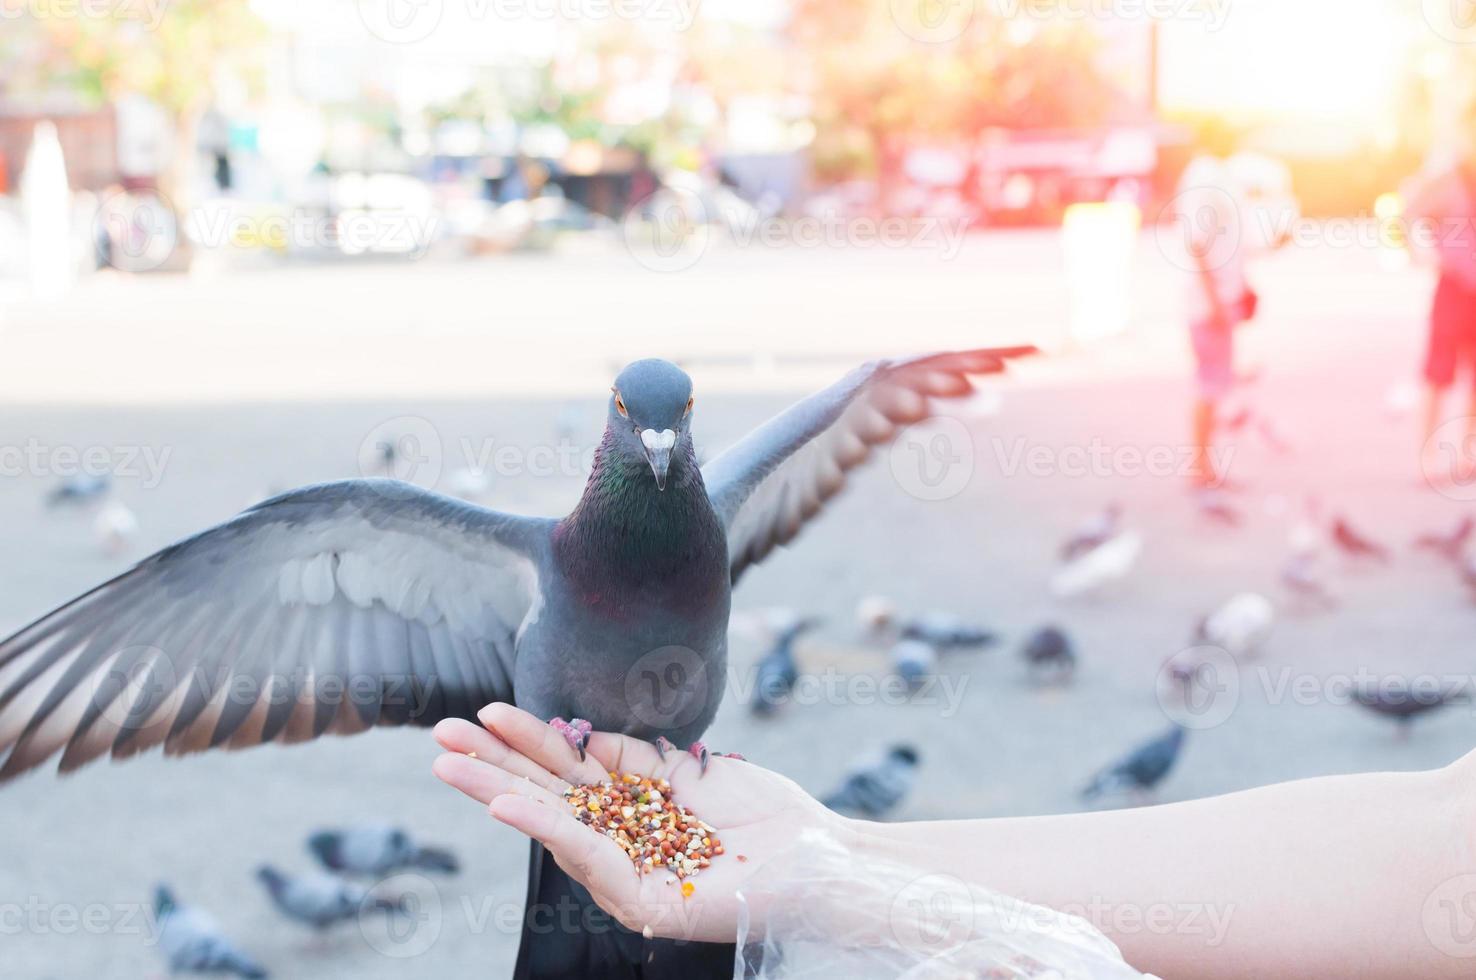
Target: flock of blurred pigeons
(355, 861)
(1097, 554)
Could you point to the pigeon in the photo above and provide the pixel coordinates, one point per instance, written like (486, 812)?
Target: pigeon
(1468, 573)
(377, 850)
(1241, 625)
(79, 490)
(1093, 533)
(776, 673)
(947, 632)
(192, 942)
(1049, 652)
(1107, 563)
(1214, 505)
(877, 616)
(115, 527)
(1142, 769)
(469, 483)
(321, 901)
(1181, 669)
(1300, 577)
(880, 620)
(342, 606)
(1450, 546)
(1355, 545)
(1249, 418)
(875, 788)
(914, 661)
(1402, 703)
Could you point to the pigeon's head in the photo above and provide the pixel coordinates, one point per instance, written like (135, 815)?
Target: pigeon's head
(904, 755)
(324, 845)
(876, 613)
(651, 412)
(164, 902)
(270, 877)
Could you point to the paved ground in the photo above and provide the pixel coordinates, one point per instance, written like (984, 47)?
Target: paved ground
(274, 378)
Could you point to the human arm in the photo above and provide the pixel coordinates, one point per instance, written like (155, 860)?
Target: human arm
(1348, 876)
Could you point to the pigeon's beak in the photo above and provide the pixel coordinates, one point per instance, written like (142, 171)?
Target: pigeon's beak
(658, 452)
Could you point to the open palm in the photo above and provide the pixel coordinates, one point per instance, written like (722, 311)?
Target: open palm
(521, 766)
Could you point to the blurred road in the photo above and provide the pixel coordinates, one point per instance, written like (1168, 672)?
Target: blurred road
(265, 380)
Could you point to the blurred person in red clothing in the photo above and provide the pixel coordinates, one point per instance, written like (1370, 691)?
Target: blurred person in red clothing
(1443, 212)
(1211, 214)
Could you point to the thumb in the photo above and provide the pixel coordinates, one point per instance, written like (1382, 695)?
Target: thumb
(595, 861)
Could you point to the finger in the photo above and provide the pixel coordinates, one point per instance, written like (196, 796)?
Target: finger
(595, 861)
(621, 753)
(460, 735)
(533, 738)
(483, 782)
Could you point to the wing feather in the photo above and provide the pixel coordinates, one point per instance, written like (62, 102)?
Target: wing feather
(328, 609)
(770, 484)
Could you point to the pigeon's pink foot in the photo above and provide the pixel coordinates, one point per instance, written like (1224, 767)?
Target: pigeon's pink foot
(698, 751)
(575, 731)
(702, 754)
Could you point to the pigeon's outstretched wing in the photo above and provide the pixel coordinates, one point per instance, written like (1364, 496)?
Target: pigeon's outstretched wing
(327, 609)
(766, 486)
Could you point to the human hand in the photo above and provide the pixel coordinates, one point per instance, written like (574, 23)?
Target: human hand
(520, 767)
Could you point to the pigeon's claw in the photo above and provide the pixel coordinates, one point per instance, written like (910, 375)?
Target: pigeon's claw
(700, 753)
(663, 745)
(576, 732)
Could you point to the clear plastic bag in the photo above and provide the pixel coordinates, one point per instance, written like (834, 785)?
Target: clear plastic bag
(828, 914)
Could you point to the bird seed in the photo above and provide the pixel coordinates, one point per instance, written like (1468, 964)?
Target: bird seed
(637, 813)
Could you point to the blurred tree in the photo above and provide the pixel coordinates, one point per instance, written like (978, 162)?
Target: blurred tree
(880, 83)
(175, 62)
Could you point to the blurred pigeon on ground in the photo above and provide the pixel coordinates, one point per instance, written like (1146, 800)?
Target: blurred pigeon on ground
(1241, 625)
(1107, 563)
(321, 900)
(875, 788)
(469, 484)
(1095, 532)
(881, 621)
(777, 672)
(1468, 574)
(262, 628)
(1180, 671)
(1050, 654)
(945, 631)
(1214, 504)
(914, 661)
(115, 527)
(191, 941)
(1142, 769)
(1354, 544)
(381, 458)
(1248, 418)
(377, 850)
(1301, 576)
(877, 616)
(1403, 703)
(1451, 545)
(75, 491)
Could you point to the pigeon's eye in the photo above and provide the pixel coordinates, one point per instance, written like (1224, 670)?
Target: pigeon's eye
(620, 406)
(689, 406)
